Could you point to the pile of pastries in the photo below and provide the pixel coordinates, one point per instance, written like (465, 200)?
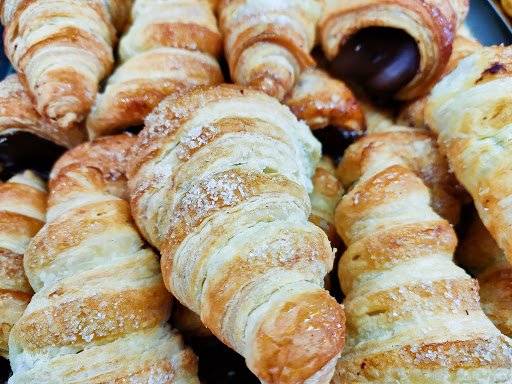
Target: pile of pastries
(190, 195)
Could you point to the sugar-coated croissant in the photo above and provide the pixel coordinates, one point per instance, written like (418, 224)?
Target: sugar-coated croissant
(62, 50)
(268, 43)
(412, 113)
(411, 39)
(479, 253)
(219, 180)
(17, 113)
(22, 214)
(321, 100)
(171, 46)
(413, 316)
(470, 109)
(100, 309)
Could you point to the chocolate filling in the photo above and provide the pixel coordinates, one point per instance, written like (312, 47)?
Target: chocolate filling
(22, 150)
(381, 60)
(334, 141)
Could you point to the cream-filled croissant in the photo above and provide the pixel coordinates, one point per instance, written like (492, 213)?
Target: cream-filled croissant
(479, 253)
(412, 113)
(219, 182)
(62, 50)
(470, 109)
(268, 43)
(413, 316)
(22, 214)
(171, 46)
(392, 48)
(18, 114)
(100, 311)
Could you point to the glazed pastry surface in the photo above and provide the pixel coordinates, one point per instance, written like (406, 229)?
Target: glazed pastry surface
(219, 180)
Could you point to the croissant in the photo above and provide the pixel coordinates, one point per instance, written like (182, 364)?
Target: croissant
(470, 110)
(170, 46)
(100, 309)
(22, 214)
(218, 182)
(393, 48)
(17, 114)
(480, 254)
(412, 113)
(413, 316)
(62, 50)
(268, 43)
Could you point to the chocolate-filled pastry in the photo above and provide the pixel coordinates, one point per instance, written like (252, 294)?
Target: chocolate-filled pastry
(268, 43)
(412, 113)
(329, 108)
(471, 110)
(62, 49)
(171, 46)
(100, 311)
(22, 214)
(413, 316)
(18, 114)
(394, 49)
(219, 182)
(481, 256)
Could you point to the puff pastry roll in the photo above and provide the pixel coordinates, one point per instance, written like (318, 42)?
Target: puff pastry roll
(219, 181)
(100, 309)
(18, 114)
(62, 50)
(22, 214)
(268, 43)
(394, 48)
(413, 316)
(480, 254)
(470, 110)
(417, 149)
(412, 113)
(171, 46)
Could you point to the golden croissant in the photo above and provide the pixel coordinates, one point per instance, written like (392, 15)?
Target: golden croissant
(219, 182)
(100, 309)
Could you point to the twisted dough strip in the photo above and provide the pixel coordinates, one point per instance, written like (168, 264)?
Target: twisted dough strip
(171, 46)
(412, 315)
(22, 214)
(17, 113)
(432, 24)
(267, 42)
(480, 254)
(470, 109)
(217, 180)
(62, 50)
(100, 309)
(321, 101)
(412, 113)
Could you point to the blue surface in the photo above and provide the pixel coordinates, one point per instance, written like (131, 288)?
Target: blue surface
(486, 25)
